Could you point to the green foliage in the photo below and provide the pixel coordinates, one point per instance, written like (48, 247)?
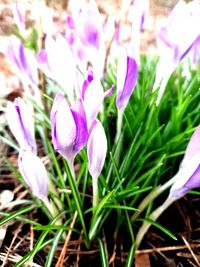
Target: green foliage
(148, 153)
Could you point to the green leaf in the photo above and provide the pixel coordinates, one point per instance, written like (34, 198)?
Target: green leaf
(97, 216)
(160, 227)
(15, 214)
(77, 199)
(104, 260)
(129, 260)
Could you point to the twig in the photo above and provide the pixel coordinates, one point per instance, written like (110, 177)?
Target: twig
(162, 249)
(191, 251)
(61, 258)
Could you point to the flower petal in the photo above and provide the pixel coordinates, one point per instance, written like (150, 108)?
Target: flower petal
(62, 64)
(188, 177)
(43, 63)
(193, 147)
(93, 99)
(20, 122)
(127, 74)
(34, 173)
(96, 149)
(81, 126)
(63, 127)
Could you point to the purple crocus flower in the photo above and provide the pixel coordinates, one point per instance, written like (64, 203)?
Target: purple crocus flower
(188, 176)
(57, 62)
(34, 173)
(25, 65)
(20, 122)
(85, 35)
(69, 127)
(96, 150)
(93, 96)
(23, 60)
(127, 74)
(175, 40)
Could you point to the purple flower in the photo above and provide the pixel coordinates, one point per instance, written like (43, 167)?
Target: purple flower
(127, 74)
(93, 96)
(69, 127)
(85, 35)
(23, 59)
(175, 40)
(20, 122)
(34, 173)
(188, 176)
(96, 149)
(57, 62)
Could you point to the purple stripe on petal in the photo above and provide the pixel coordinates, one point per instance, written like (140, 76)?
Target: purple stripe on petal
(129, 84)
(184, 54)
(188, 176)
(194, 180)
(86, 82)
(70, 22)
(109, 91)
(81, 126)
(21, 124)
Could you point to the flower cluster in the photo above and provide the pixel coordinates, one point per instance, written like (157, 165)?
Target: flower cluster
(31, 166)
(75, 61)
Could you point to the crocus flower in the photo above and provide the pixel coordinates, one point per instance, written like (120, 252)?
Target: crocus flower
(23, 60)
(69, 127)
(176, 40)
(57, 62)
(96, 150)
(20, 122)
(34, 173)
(85, 35)
(93, 96)
(25, 65)
(188, 176)
(138, 15)
(127, 74)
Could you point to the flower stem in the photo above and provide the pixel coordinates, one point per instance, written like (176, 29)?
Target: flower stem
(154, 216)
(95, 191)
(52, 209)
(151, 196)
(119, 124)
(71, 167)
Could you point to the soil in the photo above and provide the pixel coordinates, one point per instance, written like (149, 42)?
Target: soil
(182, 218)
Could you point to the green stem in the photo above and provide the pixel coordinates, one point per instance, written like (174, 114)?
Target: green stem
(52, 209)
(71, 167)
(95, 191)
(119, 124)
(154, 216)
(151, 196)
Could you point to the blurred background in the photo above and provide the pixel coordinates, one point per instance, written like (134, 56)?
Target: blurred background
(115, 10)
